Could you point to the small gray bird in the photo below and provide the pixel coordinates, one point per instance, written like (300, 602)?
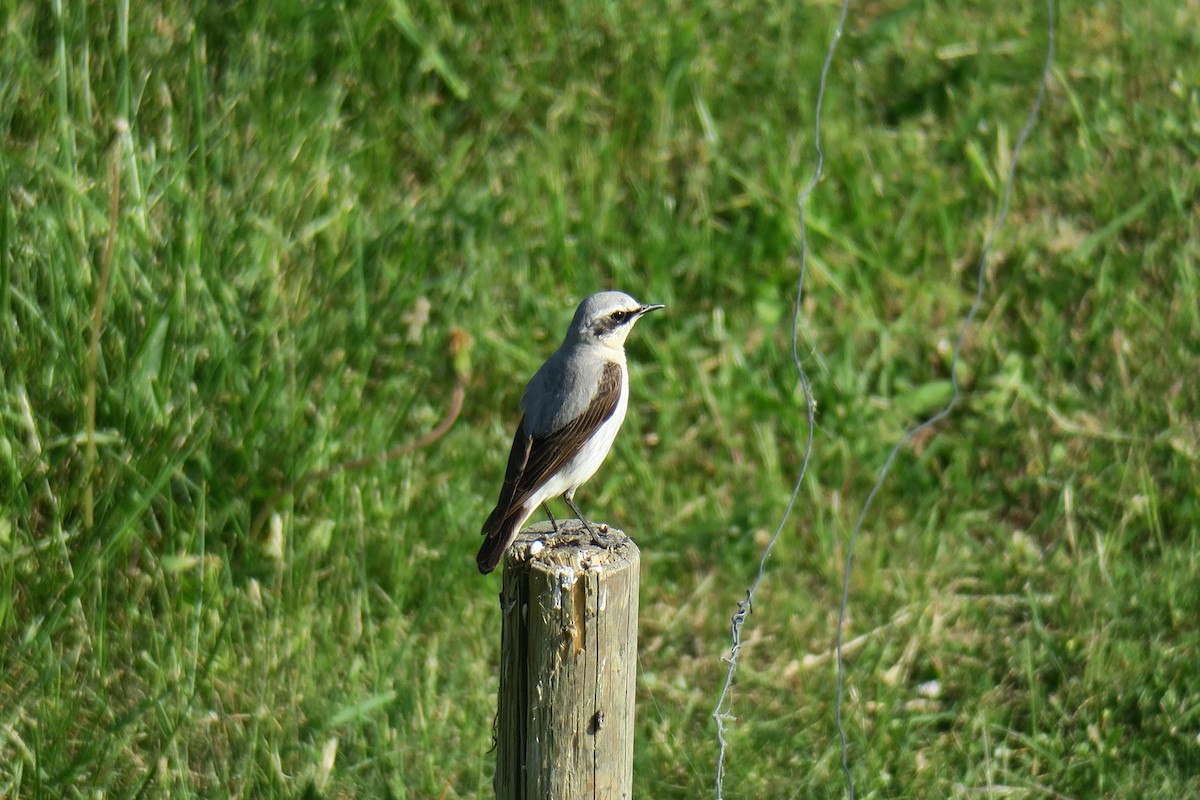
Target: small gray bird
(573, 407)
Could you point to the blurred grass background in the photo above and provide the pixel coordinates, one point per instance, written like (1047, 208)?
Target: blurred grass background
(310, 197)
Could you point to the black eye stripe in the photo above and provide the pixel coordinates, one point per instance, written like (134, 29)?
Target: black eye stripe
(609, 323)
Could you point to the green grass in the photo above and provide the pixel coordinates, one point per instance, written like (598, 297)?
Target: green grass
(297, 183)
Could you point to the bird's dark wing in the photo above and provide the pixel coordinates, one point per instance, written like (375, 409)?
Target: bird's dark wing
(535, 458)
(518, 457)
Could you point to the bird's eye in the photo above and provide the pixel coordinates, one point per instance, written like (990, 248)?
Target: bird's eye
(620, 316)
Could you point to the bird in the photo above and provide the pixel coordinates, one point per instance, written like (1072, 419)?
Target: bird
(572, 408)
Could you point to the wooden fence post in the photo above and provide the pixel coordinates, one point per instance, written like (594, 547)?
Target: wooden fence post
(568, 662)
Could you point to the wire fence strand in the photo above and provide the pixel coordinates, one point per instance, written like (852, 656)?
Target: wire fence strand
(720, 713)
(980, 277)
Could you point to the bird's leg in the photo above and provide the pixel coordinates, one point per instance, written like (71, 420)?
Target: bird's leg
(553, 521)
(598, 539)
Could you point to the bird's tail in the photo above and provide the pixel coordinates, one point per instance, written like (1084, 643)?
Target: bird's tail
(499, 531)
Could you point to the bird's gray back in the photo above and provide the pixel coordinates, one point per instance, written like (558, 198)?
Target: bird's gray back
(564, 386)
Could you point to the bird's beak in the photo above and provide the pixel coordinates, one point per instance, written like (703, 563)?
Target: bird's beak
(646, 309)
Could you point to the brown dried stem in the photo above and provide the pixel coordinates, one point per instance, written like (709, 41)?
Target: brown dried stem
(456, 402)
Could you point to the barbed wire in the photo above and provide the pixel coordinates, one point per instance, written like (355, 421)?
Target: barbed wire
(745, 606)
(980, 276)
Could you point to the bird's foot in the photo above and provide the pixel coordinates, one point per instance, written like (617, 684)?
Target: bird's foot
(598, 538)
(601, 537)
(599, 534)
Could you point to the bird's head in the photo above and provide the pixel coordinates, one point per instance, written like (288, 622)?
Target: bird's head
(607, 318)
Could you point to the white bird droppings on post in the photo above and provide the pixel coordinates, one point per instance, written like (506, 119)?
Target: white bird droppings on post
(566, 577)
